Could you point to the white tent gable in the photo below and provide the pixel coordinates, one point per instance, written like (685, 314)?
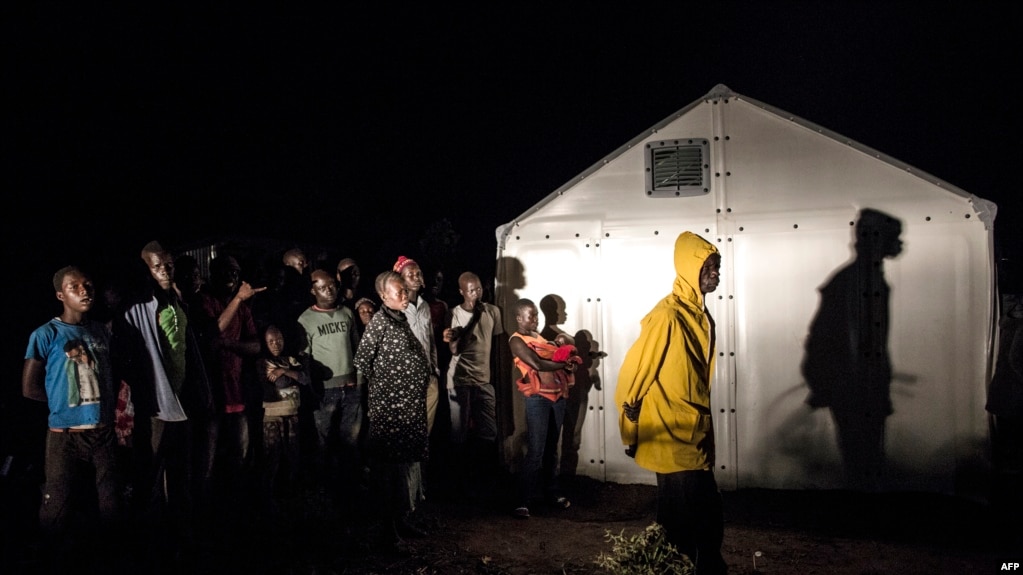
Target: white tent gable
(781, 199)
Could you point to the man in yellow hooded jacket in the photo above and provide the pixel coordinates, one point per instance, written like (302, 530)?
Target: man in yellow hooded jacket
(664, 394)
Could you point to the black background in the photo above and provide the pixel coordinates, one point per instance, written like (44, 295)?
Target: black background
(357, 128)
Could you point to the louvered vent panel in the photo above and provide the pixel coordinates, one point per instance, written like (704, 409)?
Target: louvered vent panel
(677, 168)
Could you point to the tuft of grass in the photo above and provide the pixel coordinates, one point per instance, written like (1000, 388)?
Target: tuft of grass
(645, 553)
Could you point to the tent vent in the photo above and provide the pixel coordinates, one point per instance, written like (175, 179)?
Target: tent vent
(676, 168)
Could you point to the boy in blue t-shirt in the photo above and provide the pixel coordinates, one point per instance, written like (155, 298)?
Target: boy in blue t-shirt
(67, 365)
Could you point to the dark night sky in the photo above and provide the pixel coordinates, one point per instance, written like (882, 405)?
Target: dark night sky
(357, 128)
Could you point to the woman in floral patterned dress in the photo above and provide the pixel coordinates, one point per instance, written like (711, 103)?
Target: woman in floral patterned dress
(397, 371)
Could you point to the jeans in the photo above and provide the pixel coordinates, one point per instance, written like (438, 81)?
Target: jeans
(65, 452)
(339, 418)
(543, 428)
(339, 425)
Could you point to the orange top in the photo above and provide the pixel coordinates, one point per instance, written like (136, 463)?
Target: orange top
(549, 384)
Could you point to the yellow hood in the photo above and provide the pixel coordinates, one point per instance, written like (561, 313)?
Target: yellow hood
(690, 252)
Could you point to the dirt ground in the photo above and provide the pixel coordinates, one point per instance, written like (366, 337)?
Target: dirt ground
(795, 532)
(806, 532)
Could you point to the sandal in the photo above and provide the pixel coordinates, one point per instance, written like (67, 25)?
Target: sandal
(521, 512)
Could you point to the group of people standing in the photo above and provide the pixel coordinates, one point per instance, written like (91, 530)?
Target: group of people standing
(199, 401)
(211, 401)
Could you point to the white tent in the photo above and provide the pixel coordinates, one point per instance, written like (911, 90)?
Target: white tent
(781, 198)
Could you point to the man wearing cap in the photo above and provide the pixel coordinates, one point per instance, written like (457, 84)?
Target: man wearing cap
(234, 342)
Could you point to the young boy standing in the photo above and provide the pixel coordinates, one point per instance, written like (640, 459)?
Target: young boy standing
(67, 365)
(280, 375)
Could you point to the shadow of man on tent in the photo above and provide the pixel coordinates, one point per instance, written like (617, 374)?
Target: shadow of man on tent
(510, 280)
(847, 364)
(552, 306)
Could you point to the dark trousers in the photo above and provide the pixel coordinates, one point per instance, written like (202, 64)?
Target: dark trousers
(689, 507)
(222, 461)
(162, 468)
(67, 454)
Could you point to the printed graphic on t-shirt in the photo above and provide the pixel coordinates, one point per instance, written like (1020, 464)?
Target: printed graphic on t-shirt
(82, 373)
